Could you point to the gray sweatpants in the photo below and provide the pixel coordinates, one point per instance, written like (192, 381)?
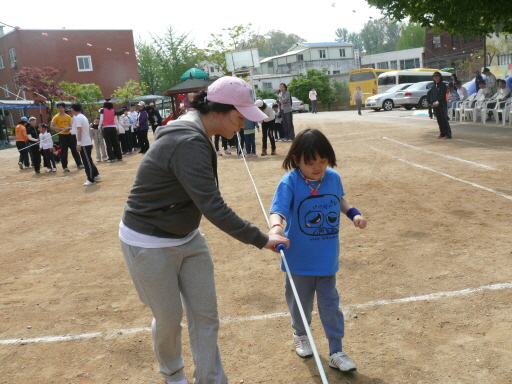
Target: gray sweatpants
(328, 302)
(166, 278)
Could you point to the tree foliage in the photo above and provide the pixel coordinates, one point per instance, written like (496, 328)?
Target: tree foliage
(411, 36)
(341, 92)
(466, 68)
(379, 36)
(302, 84)
(86, 94)
(237, 38)
(276, 42)
(130, 91)
(454, 16)
(342, 35)
(498, 45)
(265, 94)
(162, 61)
(42, 82)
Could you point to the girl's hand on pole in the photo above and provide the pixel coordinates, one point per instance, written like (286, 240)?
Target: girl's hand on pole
(274, 240)
(360, 221)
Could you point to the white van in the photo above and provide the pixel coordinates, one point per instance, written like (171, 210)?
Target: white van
(392, 78)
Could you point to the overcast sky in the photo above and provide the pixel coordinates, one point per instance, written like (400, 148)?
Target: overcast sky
(314, 20)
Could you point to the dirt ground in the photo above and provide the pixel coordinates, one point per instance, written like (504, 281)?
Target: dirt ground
(426, 288)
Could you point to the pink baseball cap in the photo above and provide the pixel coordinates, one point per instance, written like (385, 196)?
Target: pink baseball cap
(234, 91)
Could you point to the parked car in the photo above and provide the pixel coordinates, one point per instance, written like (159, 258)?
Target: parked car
(414, 96)
(385, 100)
(297, 105)
(270, 101)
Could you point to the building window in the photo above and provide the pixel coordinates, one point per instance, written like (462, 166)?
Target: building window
(270, 64)
(393, 64)
(342, 52)
(504, 59)
(2, 62)
(322, 53)
(267, 85)
(255, 86)
(212, 69)
(417, 63)
(12, 55)
(300, 57)
(84, 63)
(382, 65)
(470, 39)
(409, 63)
(6, 91)
(436, 41)
(336, 72)
(456, 40)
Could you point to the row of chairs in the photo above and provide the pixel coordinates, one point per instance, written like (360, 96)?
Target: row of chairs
(475, 107)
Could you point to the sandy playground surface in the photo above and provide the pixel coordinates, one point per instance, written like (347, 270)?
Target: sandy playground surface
(426, 289)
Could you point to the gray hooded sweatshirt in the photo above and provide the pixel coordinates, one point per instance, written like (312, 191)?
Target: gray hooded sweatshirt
(176, 184)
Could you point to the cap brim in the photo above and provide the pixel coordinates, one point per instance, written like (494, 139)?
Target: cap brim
(252, 113)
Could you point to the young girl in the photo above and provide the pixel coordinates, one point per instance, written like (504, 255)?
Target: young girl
(250, 137)
(310, 199)
(46, 146)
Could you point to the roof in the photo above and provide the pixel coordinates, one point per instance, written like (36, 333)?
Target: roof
(326, 44)
(189, 85)
(18, 104)
(196, 74)
(283, 55)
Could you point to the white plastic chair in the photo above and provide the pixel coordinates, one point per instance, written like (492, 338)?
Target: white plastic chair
(467, 107)
(457, 109)
(485, 110)
(502, 107)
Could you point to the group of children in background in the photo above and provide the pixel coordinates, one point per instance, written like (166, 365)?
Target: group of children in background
(271, 129)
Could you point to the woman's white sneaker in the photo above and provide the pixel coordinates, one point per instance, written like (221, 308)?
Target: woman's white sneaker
(302, 345)
(341, 361)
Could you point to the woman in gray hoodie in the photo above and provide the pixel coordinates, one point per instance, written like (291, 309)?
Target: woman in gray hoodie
(167, 257)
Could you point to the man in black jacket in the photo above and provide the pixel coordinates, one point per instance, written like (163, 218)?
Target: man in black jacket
(438, 97)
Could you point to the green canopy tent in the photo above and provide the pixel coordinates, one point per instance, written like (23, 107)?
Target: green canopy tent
(194, 73)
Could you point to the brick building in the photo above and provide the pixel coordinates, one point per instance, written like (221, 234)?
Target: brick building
(442, 50)
(103, 57)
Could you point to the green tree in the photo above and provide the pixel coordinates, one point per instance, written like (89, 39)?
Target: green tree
(237, 38)
(342, 35)
(86, 94)
(276, 42)
(302, 84)
(411, 36)
(162, 61)
(379, 36)
(466, 68)
(355, 39)
(264, 94)
(454, 16)
(341, 93)
(129, 92)
(498, 45)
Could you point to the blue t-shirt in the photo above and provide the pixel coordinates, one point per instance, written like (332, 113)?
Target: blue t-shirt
(312, 222)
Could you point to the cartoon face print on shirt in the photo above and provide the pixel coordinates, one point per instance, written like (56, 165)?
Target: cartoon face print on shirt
(319, 215)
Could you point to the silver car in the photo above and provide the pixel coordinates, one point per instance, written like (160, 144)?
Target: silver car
(415, 96)
(297, 105)
(270, 102)
(385, 100)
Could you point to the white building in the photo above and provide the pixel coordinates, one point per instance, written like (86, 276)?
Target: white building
(404, 59)
(337, 57)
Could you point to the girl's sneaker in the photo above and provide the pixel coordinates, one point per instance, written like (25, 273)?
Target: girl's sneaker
(219, 153)
(341, 361)
(54, 170)
(254, 155)
(227, 152)
(302, 345)
(48, 170)
(248, 155)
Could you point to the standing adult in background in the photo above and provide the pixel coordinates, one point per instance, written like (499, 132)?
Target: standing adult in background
(285, 101)
(453, 80)
(21, 143)
(490, 80)
(312, 97)
(358, 99)
(108, 125)
(84, 144)
(33, 142)
(155, 120)
(62, 122)
(166, 255)
(143, 127)
(267, 127)
(478, 79)
(438, 97)
(135, 131)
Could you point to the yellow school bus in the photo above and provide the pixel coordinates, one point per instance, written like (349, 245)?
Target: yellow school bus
(366, 78)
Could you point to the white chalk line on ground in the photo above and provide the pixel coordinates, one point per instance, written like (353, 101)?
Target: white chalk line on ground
(477, 142)
(446, 175)
(230, 320)
(440, 154)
